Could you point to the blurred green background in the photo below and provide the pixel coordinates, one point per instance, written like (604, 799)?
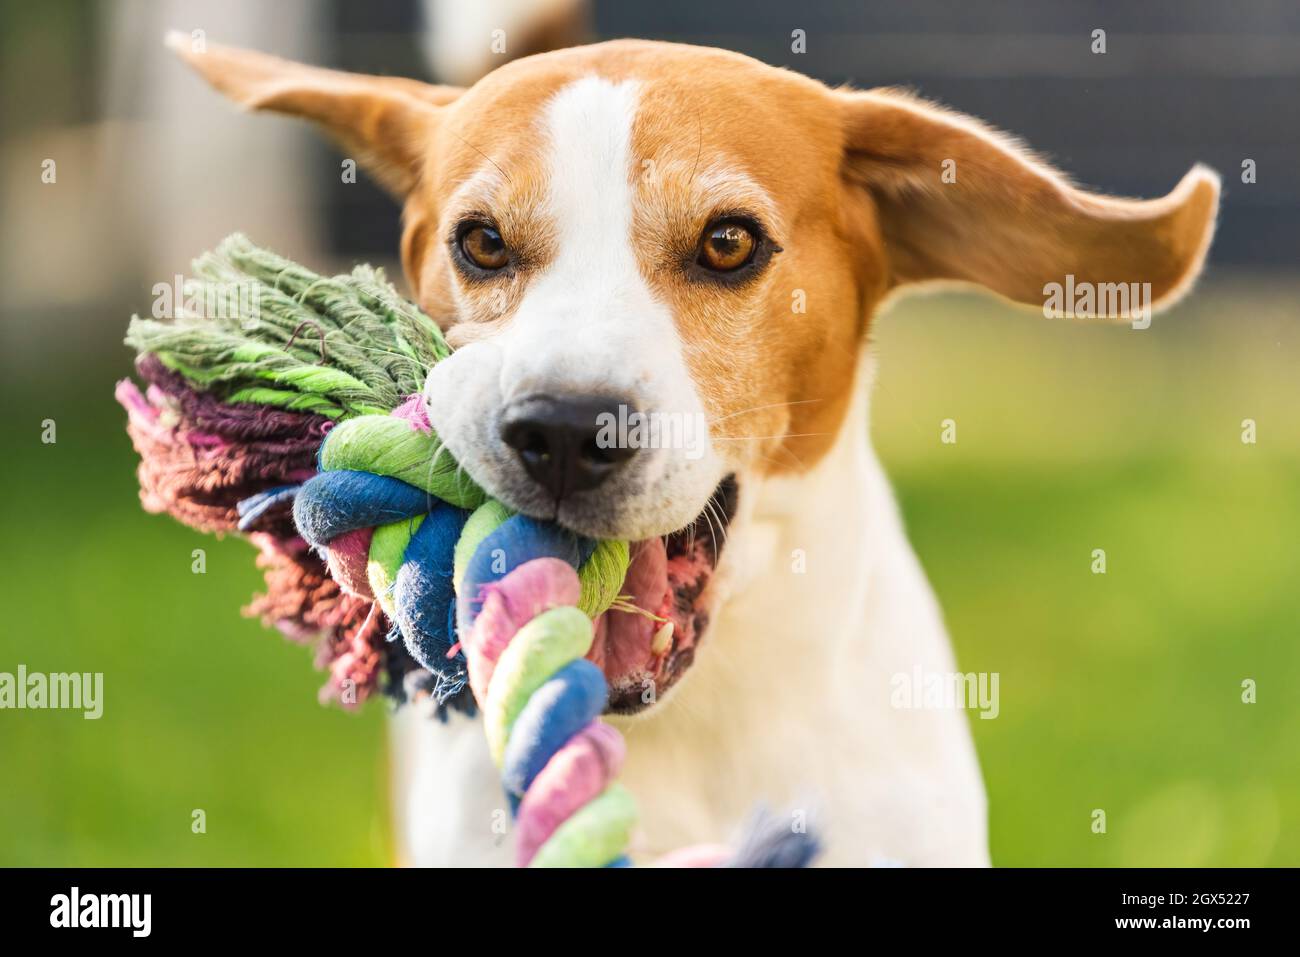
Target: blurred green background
(1119, 692)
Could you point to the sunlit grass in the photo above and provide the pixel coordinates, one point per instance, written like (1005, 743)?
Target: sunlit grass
(1120, 692)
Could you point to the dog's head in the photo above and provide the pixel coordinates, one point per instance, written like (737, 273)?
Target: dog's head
(657, 263)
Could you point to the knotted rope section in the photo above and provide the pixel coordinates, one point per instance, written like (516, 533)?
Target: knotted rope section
(402, 525)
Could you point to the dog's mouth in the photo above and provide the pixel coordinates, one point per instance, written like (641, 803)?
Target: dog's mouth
(647, 641)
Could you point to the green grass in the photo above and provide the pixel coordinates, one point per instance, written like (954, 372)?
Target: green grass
(1122, 691)
(203, 709)
(1119, 692)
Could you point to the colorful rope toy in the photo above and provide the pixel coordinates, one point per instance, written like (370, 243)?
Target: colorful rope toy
(300, 422)
(396, 540)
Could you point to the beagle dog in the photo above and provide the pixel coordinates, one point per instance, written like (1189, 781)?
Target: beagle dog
(642, 229)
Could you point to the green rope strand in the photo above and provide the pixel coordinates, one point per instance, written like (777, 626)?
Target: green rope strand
(287, 337)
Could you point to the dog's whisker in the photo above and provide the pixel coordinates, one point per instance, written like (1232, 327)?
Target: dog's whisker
(712, 507)
(756, 438)
(760, 408)
(484, 155)
(712, 532)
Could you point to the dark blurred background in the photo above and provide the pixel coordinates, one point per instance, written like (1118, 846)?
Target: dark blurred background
(1120, 692)
(1180, 80)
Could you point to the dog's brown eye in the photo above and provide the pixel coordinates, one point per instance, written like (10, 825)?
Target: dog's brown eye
(484, 247)
(726, 246)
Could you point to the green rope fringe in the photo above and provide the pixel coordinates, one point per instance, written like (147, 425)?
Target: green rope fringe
(337, 346)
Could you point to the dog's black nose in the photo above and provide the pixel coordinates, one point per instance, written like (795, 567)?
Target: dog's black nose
(567, 445)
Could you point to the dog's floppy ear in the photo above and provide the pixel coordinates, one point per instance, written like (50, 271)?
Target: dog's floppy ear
(957, 200)
(384, 121)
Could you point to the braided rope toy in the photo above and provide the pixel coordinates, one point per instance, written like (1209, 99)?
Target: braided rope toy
(323, 454)
(392, 513)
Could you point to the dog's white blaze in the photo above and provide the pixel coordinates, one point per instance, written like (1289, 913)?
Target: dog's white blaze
(589, 322)
(589, 131)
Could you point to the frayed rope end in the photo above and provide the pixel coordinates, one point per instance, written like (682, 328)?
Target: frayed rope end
(771, 840)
